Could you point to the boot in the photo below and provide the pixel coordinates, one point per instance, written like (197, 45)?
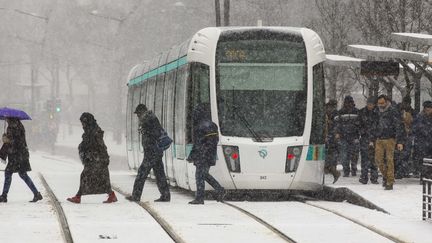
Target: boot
(388, 187)
(336, 174)
(196, 202)
(3, 199)
(163, 199)
(132, 199)
(375, 181)
(111, 198)
(36, 197)
(354, 173)
(363, 181)
(75, 199)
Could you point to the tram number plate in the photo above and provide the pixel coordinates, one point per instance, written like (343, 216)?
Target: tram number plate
(263, 177)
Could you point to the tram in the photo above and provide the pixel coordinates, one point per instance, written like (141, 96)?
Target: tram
(265, 89)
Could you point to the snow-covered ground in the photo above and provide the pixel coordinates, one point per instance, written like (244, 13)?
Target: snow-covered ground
(93, 221)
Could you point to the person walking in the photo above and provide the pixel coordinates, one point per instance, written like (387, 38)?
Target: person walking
(368, 116)
(95, 178)
(388, 133)
(16, 151)
(150, 129)
(203, 153)
(347, 135)
(331, 145)
(422, 131)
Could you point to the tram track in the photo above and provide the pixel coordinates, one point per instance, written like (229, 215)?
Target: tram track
(357, 222)
(262, 222)
(161, 221)
(61, 216)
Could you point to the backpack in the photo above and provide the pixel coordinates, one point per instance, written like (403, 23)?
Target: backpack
(164, 141)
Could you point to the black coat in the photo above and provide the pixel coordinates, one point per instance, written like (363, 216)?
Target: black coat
(347, 123)
(150, 129)
(93, 153)
(367, 120)
(206, 138)
(16, 150)
(389, 125)
(422, 131)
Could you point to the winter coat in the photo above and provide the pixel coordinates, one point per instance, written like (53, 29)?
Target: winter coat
(206, 138)
(150, 129)
(367, 120)
(93, 153)
(16, 150)
(347, 123)
(422, 130)
(389, 125)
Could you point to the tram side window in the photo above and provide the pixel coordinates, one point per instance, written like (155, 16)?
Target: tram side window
(129, 112)
(180, 110)
(199, 93)
(159, 97)
(318, 115)
(135, 102)
(150, 93)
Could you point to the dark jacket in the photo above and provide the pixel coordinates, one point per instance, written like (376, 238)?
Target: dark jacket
(205, 137)
(367, 120)
(422, 130)
(330, 129)
(150, 129)
(347, 123)
(16, 150)
(93, 153)
(389, 125)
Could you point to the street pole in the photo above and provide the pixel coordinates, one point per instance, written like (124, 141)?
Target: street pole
(226, 12)
(218, 13)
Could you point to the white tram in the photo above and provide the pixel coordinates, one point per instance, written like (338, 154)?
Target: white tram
(265, 89)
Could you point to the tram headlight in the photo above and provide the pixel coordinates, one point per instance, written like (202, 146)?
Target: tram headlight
(293, 158)
(232, 158)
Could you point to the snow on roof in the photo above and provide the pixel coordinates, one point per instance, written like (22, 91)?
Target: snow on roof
(346, 61)
(416, 38)
(387, 53)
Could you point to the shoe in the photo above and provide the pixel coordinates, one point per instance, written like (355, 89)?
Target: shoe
(196, 202)
(132, 199)
(37, 197)
(336, 176)
(384, 183)
(363, 181)
(111, 198)
(346, 174)
(163, 199)
(221, 195)
(353, 173)
(398, 176)
(374, 182)
(3, 199)
(388, 187)
(75, 199)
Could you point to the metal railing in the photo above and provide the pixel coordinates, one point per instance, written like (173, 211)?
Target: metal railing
(427, 184)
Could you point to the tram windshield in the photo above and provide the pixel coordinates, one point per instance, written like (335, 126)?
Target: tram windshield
(261, 88)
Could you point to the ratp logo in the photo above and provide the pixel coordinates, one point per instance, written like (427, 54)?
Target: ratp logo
(263, 153)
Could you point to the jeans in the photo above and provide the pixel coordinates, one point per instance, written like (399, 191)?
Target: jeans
(367, 154)
(24, 176)
(161, 181)
(201, 176)
(348, 152)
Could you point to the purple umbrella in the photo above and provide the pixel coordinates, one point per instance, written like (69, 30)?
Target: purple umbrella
(13, 113)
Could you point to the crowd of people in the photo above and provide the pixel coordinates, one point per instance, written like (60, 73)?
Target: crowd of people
(389, 137)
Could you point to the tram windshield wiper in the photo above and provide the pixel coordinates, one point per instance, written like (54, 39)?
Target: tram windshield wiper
(243, 119)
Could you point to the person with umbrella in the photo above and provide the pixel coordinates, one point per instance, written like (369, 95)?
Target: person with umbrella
(15, 149)
(95, 178)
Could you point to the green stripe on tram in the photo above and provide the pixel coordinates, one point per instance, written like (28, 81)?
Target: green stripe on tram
(159, 70)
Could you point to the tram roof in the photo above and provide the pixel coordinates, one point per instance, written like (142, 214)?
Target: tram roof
(415, 38)
(344, 61)
(387, 53)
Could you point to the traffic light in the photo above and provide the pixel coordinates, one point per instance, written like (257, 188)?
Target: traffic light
(57, 105)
